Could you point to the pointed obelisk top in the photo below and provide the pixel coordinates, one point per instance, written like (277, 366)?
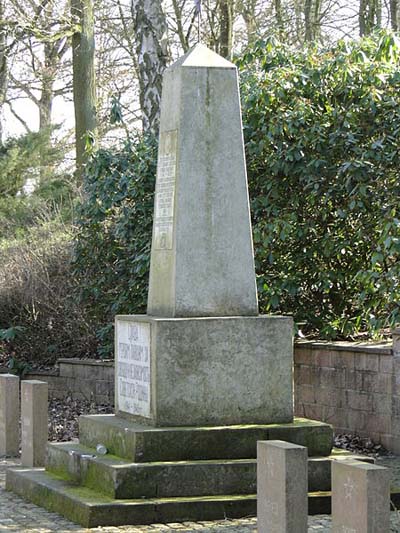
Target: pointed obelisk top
(201, 56)
(202, 252)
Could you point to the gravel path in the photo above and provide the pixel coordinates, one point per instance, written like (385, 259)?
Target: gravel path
(18, 515)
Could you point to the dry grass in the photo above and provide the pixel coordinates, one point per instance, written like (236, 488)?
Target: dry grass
(37, 289)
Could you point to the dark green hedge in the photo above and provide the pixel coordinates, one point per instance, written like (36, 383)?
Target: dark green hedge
(112, 249)
(322, 136)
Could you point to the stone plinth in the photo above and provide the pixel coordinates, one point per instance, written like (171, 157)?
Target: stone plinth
(202, 253)
(360, 498)
(282, 484)
(34, 420)
(9, 414)
(204, 371)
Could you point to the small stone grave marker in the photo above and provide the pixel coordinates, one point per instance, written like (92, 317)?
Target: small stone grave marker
(360, 497)
(282, 484)
(9, 414)
(34, 422)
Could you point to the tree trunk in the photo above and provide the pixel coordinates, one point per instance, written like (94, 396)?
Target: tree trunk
(298, 12)
(312, 12)
(317, 19)
(308, 33)
(369, 16)
(45, 107)
(3, 67)
(394, 17)
(247, 8)
(361, 18)
(226, 28)
(151, 48)
(378, 8)
(183, 38)
(278, 16)
(84, 80)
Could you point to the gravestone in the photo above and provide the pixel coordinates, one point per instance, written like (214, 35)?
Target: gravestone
(282, 487)
(34, 419)
(202, 376)
(360, 498)
(9, 414)
(202, 355)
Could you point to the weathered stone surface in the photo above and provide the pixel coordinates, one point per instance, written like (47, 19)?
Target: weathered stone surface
(360, 498)
(92, 509)
(202, 254)
(281, 487)
(215, 371)
(9, 414)
(139, 443)
(121, 479)
(34, 419)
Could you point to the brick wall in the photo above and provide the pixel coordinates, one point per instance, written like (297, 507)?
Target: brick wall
(350, 386)
(88, 379)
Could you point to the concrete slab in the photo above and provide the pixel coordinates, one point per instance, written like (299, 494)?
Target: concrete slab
(140, 443)
(122, 479)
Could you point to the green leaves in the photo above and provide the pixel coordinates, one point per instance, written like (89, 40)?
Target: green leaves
(19, 368)
(322, 134)
(112, 250)
(11, 333)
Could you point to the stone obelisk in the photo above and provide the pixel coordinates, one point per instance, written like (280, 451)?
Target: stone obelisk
(202, 355)
(202, 254)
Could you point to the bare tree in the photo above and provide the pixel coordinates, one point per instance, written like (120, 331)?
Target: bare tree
(151, 48)
(84, 81)
(394, 14)
(3, 65)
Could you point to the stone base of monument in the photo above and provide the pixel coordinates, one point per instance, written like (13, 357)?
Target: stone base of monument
(204, 371)
(153, 475)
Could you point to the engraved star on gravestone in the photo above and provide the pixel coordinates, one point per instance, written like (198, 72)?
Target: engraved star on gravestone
(349, 489)
(270, 466)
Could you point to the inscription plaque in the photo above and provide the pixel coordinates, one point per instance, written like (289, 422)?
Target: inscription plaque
(165, 191)
(133, 367)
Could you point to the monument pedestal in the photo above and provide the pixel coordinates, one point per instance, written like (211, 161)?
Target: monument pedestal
(204, 371)
(159, 475)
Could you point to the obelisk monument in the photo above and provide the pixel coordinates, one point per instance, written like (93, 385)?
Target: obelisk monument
(202, 355)
(202, 254)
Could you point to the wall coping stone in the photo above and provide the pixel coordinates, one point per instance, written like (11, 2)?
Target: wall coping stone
(378, 348)
(89, 362)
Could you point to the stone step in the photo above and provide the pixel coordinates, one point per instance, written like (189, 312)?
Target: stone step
(91, 509)
(119, 478)
(142, 444)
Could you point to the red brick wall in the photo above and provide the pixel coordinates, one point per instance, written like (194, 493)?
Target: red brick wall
(347, 385)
